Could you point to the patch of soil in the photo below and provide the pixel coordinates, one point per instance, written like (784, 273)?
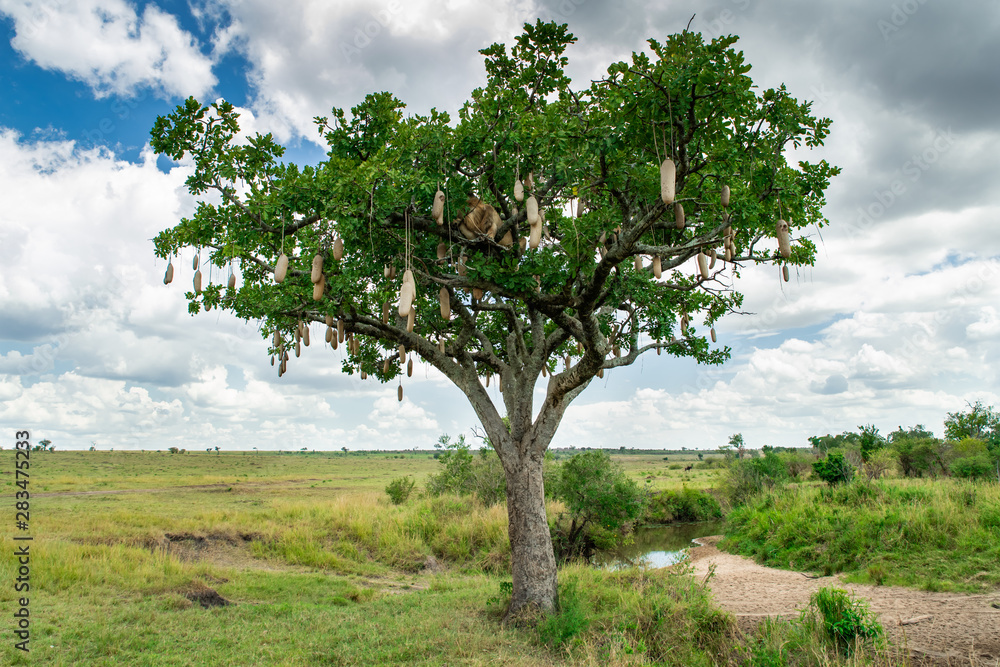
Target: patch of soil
(941, 628)
(207, 598)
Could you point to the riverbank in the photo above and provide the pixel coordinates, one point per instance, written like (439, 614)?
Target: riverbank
(946, 628)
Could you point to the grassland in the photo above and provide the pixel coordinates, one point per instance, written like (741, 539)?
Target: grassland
(321, 569)
(940, 535)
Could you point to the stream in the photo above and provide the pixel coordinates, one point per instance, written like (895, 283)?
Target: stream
(657, 546)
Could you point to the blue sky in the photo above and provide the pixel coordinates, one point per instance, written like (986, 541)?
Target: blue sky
(896, 325)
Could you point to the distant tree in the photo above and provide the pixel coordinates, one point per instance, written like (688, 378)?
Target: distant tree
(46, 445)
(870, 441)
(825, 443)
(344, 449)
(833, 469)
(980, 422)
(173, 450)
(738, 445)
(918, 452)
(217, 449)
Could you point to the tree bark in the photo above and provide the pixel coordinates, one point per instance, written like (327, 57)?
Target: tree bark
(533, 564)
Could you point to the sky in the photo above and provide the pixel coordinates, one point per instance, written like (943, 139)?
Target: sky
(896, 325)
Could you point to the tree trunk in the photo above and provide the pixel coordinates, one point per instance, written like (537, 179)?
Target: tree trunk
(533, 564)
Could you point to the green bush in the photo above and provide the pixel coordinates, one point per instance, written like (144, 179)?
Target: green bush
(847, 620)
(399, 489)
(972, 467)
(602, 504)
(746, 478)
(463, 473)
(685, 505)
(833, 469)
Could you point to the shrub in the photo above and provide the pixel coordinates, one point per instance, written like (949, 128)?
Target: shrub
(749, 477)
(686, 505)
(399, 490)
(972, 467)
(847, 620)
(797, 465)
(833, 469)
(463, 473)
(602, 503)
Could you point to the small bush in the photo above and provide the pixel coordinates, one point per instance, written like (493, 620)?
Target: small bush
(685, 505)
(571, 619)
(400, 489)
(847, 620)
(748, 477)
(833, 469)
(972, 467)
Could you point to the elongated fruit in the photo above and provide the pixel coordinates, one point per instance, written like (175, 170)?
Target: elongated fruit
(195, 262)
(445, 300)
(281, 268)
(518, 190)
(168, 277)
(638, 263)
(784, 272)
(338, 249)
(703, 265)
(407, 292)
(329, 334)
(409, 368)
(725, 195)
(532, 209)
(317, 268)
(197, 281)
(679, 215)
(713, 334)
(668, 173)
(305, 335)
(319, 288)
(340, 331)
(657, 272)
(442, 250)
(232, 281)
(385, 312)
(411, 319)
(437, 210)
(399, 393)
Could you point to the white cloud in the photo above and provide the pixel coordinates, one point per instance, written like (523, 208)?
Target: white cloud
(105, 44)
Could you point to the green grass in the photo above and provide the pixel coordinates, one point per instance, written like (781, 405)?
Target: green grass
(322, 568)
(936, 535)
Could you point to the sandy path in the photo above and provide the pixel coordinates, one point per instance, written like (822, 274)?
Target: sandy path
(959, 625)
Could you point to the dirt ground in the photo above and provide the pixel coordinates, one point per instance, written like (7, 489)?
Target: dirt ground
(949, 628)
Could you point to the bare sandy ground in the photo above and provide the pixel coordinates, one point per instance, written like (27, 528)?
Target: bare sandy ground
(951, 628)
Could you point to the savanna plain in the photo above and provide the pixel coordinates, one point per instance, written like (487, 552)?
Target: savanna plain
(304, 558)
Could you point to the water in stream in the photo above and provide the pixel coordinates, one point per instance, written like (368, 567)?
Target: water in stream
(658, 546)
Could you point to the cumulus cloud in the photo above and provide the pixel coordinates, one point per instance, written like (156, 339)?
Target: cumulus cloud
(110, 47)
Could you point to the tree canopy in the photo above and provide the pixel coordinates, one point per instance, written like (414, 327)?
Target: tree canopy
(613, 266)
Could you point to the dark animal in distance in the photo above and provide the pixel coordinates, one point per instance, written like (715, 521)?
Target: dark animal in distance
(689, 467)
